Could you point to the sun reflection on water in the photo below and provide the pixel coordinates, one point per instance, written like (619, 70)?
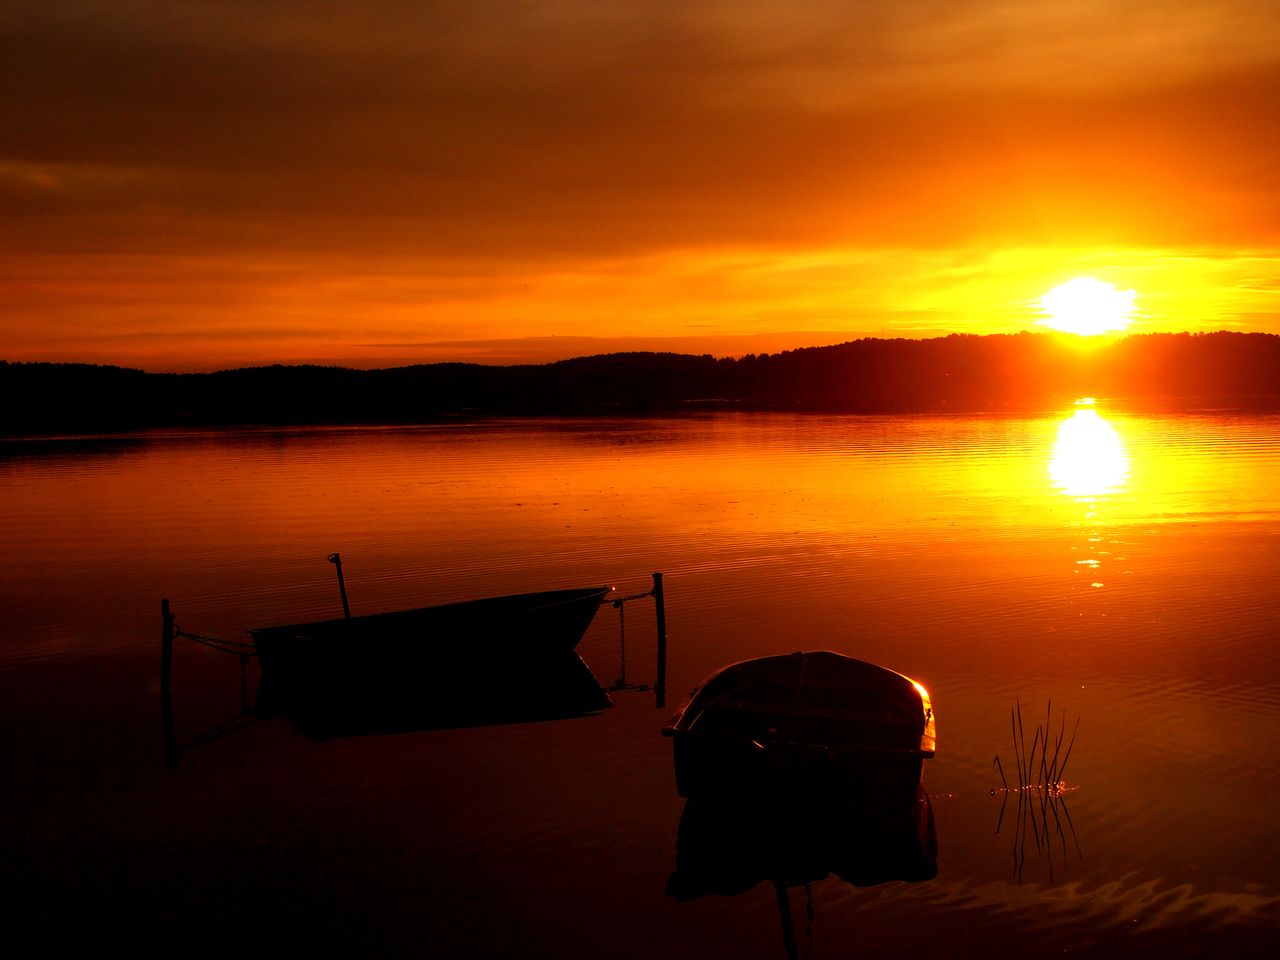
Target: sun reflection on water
(1089, 458)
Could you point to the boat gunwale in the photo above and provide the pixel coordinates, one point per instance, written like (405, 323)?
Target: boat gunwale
(400, 619)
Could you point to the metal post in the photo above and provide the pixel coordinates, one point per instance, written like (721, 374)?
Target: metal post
(622, 645)
(336, 560)
(660, 685)
(166, 685)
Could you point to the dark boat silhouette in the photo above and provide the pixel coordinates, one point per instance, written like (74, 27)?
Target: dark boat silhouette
(490, 660)
(815, 722)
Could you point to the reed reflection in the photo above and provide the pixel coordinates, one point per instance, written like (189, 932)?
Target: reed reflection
(1089, 458)
(1041, 792)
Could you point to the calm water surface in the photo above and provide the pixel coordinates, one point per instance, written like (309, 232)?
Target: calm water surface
(1115, 570)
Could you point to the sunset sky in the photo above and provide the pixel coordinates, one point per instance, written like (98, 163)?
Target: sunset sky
(193, 185)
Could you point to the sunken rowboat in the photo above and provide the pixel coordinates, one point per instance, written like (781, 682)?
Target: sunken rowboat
(811, 723)
(487, 660)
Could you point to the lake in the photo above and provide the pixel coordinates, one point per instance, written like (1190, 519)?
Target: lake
(1107, 574)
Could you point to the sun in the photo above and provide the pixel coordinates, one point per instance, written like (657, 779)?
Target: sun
(1087, 307)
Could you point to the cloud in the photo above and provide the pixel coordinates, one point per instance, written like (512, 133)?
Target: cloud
(573, 126)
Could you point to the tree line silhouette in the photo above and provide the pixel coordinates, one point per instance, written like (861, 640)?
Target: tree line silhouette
(962, 373)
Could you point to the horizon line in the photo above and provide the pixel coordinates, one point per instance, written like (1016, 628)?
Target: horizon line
(1070, 339)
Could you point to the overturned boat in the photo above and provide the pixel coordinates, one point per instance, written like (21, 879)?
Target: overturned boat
(478, 661)
(817, 723)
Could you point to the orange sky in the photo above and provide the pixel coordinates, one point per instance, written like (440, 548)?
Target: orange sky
(193, 185)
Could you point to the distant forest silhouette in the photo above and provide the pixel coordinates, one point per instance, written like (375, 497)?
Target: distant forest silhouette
(962, 373)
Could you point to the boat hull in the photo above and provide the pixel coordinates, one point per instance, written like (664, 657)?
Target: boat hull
(477, 661)
(817, 724)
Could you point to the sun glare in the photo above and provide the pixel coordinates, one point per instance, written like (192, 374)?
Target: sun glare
(1089, 458)
(1087, 307)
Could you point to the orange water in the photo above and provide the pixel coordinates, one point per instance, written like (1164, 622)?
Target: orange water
(1121, 567)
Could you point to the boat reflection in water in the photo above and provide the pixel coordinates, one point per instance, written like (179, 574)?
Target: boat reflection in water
(797, 767)
(727, 846)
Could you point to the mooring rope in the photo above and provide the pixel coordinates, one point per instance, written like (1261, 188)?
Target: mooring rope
(638, 596)
(243, 648)
(619, 605)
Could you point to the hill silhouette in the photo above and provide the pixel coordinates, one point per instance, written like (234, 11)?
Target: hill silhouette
(954, 373)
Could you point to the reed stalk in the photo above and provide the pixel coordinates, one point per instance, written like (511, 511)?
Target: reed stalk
(1041, 787)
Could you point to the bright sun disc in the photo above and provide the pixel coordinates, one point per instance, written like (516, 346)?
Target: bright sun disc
(1087, 307)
